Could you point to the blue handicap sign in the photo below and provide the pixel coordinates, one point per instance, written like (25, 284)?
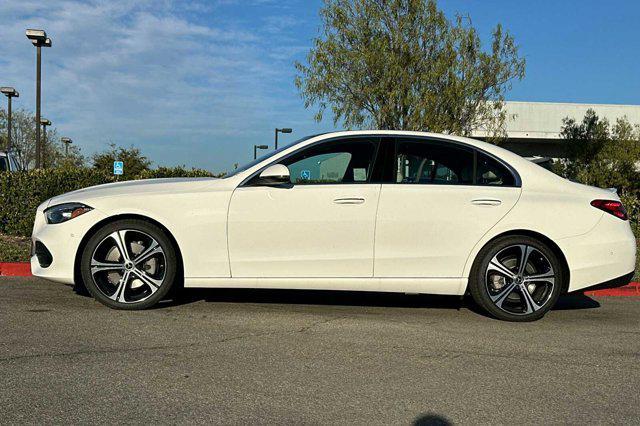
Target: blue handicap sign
(118, 167)
(305, 174)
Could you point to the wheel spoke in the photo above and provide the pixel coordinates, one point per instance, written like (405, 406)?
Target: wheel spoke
(496, 265)
(153, 283)
(118, 237)
(525, 251)
(118, 295)
(504, 292)
(530, 305)
(548, 277)
(153, 249)
(97, 266)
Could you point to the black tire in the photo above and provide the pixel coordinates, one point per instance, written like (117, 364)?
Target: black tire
(166, 261)
(485, 280)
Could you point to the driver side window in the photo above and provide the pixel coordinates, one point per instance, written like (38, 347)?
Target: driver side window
(342, 161)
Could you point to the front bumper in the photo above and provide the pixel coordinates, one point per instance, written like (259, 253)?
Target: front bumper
(62, 242)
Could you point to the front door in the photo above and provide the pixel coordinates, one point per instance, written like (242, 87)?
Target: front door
(321, 226)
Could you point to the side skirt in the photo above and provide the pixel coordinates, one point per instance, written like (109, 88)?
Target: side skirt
(443, 286)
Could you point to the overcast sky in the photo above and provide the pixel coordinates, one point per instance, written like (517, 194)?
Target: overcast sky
(199, 82)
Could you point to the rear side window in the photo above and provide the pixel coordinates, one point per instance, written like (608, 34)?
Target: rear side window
(428, 162)
(4, 164)
(491, 172)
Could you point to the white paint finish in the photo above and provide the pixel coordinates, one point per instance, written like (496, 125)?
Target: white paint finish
(193, 210)
(606, 251)
(299, 238)
(62, 241)
(444, 286)
(303, 231)
(429, 230)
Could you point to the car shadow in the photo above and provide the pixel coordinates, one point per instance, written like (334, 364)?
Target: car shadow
(574, 301)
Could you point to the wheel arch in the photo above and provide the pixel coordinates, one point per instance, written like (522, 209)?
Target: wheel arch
(537, 235)
(77, 276)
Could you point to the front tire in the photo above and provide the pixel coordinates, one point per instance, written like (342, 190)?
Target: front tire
(129, 264)
(516, 278)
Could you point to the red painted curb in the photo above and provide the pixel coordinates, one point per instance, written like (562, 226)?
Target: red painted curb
(23, 269)
(15, 269)
(631, 289)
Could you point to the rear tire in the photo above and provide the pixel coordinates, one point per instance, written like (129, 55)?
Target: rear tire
(129, 264)
(516, 278)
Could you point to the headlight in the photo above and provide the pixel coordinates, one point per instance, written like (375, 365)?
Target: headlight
(64, 212)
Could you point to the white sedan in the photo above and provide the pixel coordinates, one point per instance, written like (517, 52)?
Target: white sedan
(384, 211)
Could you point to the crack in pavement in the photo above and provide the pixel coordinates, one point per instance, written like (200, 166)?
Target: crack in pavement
(163, 347)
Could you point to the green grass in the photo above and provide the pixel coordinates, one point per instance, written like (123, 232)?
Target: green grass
(14, 249)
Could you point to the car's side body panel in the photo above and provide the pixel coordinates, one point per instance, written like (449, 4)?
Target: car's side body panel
(428, 230)
(443, 286)
(303, 231)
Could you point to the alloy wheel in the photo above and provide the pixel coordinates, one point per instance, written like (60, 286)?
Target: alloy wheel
(520, 279)
(128, 266)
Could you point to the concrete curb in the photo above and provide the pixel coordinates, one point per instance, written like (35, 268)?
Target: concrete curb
(23, 269)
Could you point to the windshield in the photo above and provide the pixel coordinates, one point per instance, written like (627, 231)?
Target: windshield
(268, 155)
(4, 164)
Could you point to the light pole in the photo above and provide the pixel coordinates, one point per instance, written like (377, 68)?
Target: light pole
(66, 141)
(256, 148)
(44, 123)
(39, 39)
(284, 130)
(9, 92)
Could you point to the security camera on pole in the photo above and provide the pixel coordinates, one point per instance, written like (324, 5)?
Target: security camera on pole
(9, 92)
(66, 141)
(39, 39)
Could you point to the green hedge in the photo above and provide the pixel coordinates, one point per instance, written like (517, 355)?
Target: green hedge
(22, 192)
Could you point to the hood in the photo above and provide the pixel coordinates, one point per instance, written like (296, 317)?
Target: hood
(133, 187)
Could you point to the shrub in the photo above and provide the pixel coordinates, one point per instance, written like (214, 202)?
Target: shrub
(22, 192)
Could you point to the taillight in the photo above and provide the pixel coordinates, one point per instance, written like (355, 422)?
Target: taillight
(612, 207)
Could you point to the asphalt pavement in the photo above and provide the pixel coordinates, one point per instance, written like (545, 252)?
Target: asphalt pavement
(295, 357)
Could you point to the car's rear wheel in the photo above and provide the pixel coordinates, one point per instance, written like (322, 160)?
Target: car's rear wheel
(129, 264)
(516, 278)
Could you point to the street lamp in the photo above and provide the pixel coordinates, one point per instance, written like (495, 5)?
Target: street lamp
(256, 148)
(66, 141)
(39, 39)
(44, 123)
(284, 130)
(9, 92)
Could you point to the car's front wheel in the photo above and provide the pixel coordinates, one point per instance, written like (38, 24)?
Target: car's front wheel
(129, 264)
(516, 278)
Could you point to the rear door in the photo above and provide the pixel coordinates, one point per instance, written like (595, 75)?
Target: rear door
(442, 199)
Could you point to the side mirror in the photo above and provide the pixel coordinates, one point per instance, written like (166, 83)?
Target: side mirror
(276, 174)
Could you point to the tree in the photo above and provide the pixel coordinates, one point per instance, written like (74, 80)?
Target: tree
(602, 155)
(401, 64)
(23, 141)
(134, 162)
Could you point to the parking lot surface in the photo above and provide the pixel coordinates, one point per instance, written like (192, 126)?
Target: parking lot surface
(294, 357)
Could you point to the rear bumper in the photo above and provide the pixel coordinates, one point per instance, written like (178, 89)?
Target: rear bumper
(606, 254)
(614, 283)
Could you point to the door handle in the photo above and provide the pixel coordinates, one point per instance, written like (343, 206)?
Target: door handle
(486, 202)
(349, 200)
